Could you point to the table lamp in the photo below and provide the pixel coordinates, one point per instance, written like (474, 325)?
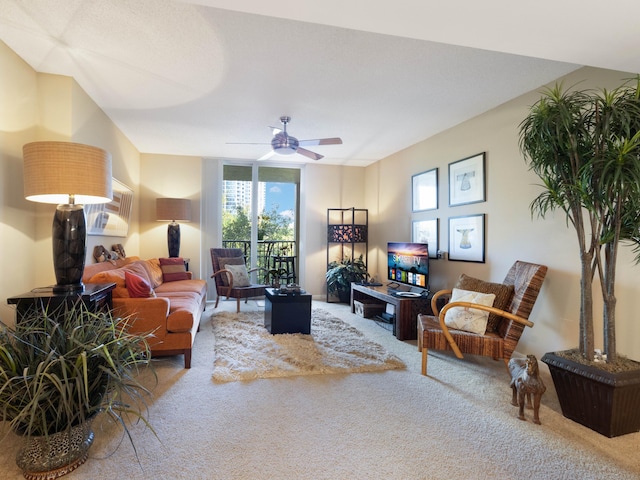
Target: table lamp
(69, 175)
(171, 210)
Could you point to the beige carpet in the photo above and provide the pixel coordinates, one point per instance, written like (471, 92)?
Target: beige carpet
(245, 350)
(457, 423)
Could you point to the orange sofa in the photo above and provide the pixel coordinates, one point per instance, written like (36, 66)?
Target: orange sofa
(172, 311)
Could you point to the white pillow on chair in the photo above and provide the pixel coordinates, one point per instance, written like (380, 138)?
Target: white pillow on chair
(469, 319)
(240, 275)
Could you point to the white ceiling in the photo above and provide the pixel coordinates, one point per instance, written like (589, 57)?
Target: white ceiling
(189, 77)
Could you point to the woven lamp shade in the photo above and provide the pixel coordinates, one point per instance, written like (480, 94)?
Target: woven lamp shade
(173, 209)
(54, 171)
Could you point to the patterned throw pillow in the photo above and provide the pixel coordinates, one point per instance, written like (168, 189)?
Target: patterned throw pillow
(173, 269)
(240, 275)
(469, 319)
(223, 262)
(503, 293)
(137, 286)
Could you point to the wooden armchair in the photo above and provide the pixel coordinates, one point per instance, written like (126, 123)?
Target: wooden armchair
(500, 343)
(221, 258)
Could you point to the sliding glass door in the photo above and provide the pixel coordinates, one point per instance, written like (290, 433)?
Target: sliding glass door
(260, 215)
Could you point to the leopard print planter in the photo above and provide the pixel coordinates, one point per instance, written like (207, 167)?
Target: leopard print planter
(54, 456)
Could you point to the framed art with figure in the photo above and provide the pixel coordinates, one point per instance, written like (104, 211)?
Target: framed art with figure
(467, 180)
(466, 238)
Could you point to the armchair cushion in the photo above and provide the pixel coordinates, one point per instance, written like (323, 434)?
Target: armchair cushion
(240, 275)
(229, 261)
(469, 319)
(504, 295)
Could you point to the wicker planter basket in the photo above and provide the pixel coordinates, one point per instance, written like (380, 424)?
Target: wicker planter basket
(606, 402)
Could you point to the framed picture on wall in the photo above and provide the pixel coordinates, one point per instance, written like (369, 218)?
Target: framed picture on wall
(466, 238)
(111, 219)
(424, 190)
(466, 180)
(427, 231)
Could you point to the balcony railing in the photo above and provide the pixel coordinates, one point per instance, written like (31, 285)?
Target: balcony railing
(267, 249)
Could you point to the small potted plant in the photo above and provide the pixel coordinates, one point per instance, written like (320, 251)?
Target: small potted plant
(585, 147)
(58, 370)
(275, 276)
(341, 274)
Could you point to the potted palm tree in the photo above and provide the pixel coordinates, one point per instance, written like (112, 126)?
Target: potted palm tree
(58, 370)
(585, 147)
(341, 274)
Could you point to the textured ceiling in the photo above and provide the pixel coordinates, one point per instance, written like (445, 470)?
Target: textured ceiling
(190, 77)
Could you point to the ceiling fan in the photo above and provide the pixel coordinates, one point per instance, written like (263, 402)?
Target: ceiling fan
(284, 144)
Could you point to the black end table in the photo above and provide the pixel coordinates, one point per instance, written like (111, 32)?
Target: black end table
(287, 313)
(95, 296)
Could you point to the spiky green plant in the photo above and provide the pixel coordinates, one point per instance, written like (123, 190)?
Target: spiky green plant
(585, 147)
(60, 368)
(340, 275)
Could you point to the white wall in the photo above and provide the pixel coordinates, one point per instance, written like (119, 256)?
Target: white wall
(511, 233)
(18, 125)
(170, 176)
(35, 107)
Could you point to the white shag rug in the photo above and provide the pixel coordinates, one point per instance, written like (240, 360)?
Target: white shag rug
(245, 350)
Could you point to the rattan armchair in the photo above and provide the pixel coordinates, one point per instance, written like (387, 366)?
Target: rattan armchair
(224, 278)
(433, 333)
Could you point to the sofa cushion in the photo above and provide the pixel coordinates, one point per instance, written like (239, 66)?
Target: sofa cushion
(503, 293)
(117, 276)
(173, 269)
(95, 268)
(181, 312)
(137, 286)
(154, 271)
(191, 286)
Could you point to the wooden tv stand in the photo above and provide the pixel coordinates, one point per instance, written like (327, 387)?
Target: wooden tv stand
(406, 308)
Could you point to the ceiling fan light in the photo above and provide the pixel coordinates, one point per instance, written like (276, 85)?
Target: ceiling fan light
(284, 144)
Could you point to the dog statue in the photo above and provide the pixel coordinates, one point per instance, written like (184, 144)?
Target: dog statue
(526, 382)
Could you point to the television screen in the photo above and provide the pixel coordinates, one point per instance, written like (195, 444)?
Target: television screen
(408, 263)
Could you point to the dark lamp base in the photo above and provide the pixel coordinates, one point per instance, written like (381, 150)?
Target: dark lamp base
(173, 240)
(69, 247)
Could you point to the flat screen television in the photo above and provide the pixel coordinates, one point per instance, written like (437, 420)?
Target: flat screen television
(408, 263)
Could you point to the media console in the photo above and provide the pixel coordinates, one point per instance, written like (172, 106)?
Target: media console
(406, 308)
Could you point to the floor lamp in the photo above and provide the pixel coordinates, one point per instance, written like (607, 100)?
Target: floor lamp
(70, 175)
(171, 210)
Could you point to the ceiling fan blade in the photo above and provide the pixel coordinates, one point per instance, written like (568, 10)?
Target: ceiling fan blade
(275, 130)
(267, 156)
(310, 154)
(321, 141)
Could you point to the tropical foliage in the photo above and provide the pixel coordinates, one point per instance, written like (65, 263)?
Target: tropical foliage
(271, 225)
(341, 274)
(585, 147)
(60, 368)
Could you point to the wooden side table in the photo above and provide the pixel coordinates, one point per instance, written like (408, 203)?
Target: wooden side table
(406, 308)
(96, 297)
